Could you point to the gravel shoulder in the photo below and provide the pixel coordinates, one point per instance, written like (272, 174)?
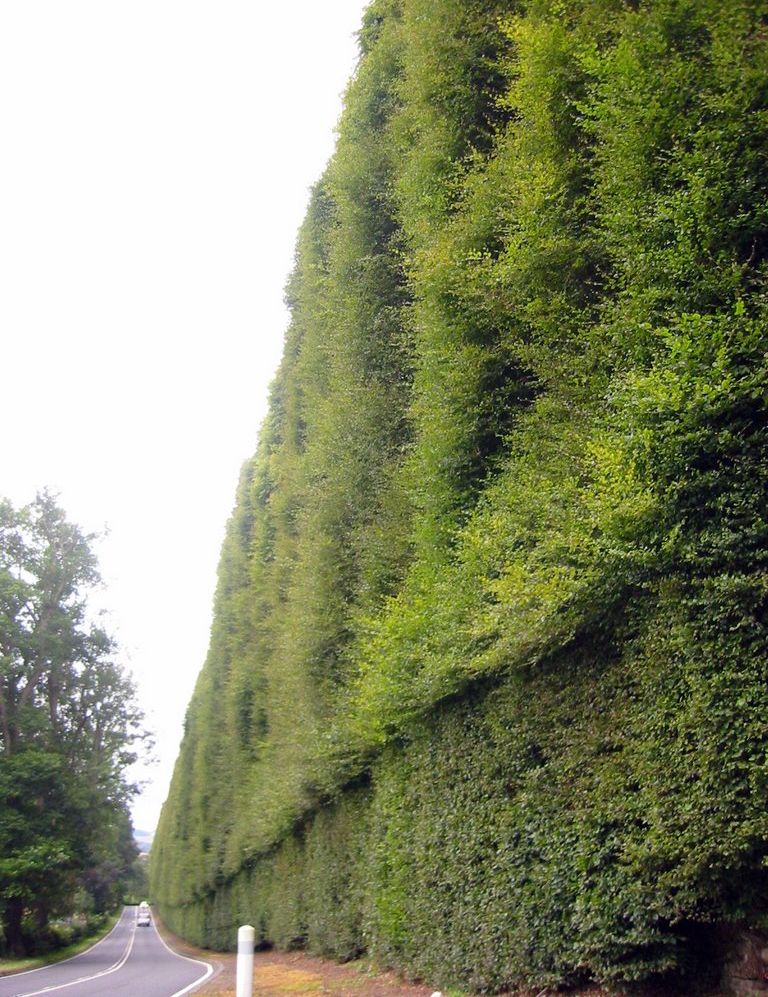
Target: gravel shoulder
(296, 973)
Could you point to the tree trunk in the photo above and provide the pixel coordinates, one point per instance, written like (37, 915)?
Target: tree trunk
(14, 938)
(41, 918)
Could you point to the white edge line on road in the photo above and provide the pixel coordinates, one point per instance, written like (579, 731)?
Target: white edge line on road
(86, 979)
(198, 962)
(49, 965)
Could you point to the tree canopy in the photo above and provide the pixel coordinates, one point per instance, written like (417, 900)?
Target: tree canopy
(69, 725)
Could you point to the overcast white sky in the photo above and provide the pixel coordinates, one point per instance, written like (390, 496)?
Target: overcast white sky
(155, 165)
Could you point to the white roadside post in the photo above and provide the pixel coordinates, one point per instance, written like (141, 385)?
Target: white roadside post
(246, 937)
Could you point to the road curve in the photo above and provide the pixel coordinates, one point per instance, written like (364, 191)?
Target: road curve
(129, 961)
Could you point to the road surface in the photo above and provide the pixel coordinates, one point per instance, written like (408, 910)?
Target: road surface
(128, 962)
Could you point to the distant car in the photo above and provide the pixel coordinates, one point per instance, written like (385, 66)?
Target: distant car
(143, 920)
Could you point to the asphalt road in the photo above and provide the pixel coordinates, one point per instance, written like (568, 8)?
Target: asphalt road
(128, 962)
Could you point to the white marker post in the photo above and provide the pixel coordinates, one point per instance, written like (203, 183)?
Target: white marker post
(246, 937)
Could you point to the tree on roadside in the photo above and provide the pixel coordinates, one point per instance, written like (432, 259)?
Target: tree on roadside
(69, 725)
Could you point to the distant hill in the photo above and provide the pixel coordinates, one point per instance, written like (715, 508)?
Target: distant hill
(143, 840)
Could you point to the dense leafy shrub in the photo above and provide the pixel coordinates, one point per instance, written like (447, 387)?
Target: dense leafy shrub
(490, 632)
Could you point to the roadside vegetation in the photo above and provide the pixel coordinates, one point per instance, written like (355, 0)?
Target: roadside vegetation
(486, 692)
(74, 935)
(68, 730)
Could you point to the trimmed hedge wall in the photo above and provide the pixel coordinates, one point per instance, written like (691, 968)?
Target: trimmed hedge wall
(547, 828)
(489, 644)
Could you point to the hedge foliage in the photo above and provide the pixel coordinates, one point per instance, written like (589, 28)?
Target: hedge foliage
(489, 645)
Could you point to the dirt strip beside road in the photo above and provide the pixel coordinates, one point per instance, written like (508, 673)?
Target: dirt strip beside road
(296, 973)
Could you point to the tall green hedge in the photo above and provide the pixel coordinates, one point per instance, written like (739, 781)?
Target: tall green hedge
(489, 644)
